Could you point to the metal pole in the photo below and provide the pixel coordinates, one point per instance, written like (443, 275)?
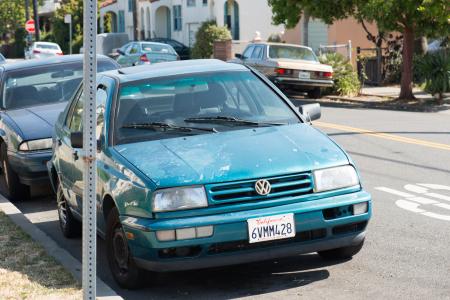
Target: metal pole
(89, 267)
(350, 50)
(27, 9)
(36, 19)
(70, 37)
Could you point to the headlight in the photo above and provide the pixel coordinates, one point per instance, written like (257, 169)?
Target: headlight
(335, 178)
(33, 145)
(179, 198)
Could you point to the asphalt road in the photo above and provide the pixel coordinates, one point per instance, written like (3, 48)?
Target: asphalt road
(404, 161)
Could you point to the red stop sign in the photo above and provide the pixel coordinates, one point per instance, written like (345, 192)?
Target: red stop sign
(29, 26)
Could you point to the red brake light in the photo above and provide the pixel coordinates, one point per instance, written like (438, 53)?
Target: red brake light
(144, 58)
(327, 74)
(280, 71)
(36, 51)
(59, 53)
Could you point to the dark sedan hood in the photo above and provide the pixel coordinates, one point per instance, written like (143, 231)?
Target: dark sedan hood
(36, 122)
(233, 155)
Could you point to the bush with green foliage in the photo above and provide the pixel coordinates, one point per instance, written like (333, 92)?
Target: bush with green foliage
(206, 35)
(346, 82)
(435, 70)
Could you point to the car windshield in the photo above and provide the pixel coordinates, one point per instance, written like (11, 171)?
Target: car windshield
(197, 104)
(44, 84)
(291, 52)
(47, 46)
(156, 48)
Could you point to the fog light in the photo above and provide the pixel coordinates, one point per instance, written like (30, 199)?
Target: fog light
(360, 208)
(186, 233)
(204, 231)
(165, 235)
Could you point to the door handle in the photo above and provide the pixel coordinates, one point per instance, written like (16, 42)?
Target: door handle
(75, 155)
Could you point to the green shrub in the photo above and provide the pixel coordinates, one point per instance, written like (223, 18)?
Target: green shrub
(205, 37)
(346, 82)
(435, 69)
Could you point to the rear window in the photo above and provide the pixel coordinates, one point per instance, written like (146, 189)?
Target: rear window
(291, 52)
(157, 48)
(44, 84)
(47, 46)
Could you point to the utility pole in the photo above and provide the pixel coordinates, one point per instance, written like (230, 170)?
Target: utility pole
(135, 19)
(36, 19)
(27, 10)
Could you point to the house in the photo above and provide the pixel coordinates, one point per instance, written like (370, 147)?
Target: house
(46, 11)
(180, 19)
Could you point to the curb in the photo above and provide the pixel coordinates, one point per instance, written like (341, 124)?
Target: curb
(104, 292)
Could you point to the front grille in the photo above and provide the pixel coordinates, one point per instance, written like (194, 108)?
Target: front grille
(282, 186)
(243, 245)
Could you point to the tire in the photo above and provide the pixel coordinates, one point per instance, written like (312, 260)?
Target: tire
(70, 227)
(121, 263)
(341, 253)
(9, 180)
(315, 93)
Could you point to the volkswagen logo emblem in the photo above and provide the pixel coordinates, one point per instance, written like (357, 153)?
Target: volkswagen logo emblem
(263, 187)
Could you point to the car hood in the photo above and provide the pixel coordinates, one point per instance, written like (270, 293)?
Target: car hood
(36, 122)
(306, 65)
(233, 155)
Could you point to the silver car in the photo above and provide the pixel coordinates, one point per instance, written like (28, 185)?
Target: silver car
(43, 50)
(290, 67)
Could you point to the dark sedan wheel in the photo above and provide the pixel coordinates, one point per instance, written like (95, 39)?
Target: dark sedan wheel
(9, 180)
(70, 226)
(341, 253)
(121, 263)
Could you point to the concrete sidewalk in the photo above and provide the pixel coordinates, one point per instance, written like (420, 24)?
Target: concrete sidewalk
(392, 92)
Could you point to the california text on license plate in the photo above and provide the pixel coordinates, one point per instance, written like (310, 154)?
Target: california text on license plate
(271, 228)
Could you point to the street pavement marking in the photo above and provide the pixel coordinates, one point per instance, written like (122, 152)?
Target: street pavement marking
(417, 204)
(386, 136)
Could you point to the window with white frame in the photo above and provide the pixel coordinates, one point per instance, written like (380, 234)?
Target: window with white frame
(190, 2)
(205, 2)
(177, 20)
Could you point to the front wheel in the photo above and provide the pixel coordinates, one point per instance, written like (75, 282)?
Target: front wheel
(121, 263)
(9, 180)
(70, 226)
(341, 253)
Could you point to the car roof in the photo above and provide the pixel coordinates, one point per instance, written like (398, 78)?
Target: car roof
(280, 44)
(45, 43)
(32, 63)
(173, 68)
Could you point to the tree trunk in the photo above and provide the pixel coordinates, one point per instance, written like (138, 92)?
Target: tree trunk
(305, 28)
(407, 70)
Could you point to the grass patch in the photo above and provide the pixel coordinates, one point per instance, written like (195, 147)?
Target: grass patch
(27, 271)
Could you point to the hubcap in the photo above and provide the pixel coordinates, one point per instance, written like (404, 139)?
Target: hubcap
(62, 209)
(4, 171)
(120, 249)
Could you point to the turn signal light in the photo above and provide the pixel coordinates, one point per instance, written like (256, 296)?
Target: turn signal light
(59, 53)
(327, 74)
(281, 71)
(184, 233)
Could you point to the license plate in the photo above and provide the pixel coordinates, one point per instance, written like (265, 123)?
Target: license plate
(271, 228)
(304, 75)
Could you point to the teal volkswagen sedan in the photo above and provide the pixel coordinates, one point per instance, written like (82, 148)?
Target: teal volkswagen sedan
(204, 164)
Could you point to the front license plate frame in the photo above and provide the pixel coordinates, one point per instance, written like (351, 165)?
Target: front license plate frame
(271, 228)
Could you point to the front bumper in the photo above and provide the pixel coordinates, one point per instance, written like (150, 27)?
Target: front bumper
(302, 83)
(229, 243)
(31, 167)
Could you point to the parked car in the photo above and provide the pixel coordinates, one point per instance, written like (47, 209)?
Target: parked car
(183, 51)
(290, 67)
(139, 53)
(203, 163)
(43, 50)
(108, 43)
(33, 94)
(2, 59)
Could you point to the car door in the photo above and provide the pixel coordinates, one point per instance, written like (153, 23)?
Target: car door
(122, 59)
(133, 55)
(246, 55)
(103, 90)
(255, 59)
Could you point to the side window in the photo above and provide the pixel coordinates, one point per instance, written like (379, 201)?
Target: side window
(248, 52)
(76, 121)
(134, 48)
(257, 52)
(102, 96)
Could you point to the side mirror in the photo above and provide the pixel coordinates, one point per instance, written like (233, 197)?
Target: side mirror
(238, 55)
(76, 139)
(310, 111)
(120, 52)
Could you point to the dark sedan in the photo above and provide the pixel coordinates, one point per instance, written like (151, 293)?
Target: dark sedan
(183, 51)
(33, 94)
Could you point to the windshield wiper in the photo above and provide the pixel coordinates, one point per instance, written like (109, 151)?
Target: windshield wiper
(166, 126)
(230, 119)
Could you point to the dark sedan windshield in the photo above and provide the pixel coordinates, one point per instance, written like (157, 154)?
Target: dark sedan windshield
(44, 84)
(220, 101)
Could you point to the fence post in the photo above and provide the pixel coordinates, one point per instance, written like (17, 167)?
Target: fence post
(349, 50)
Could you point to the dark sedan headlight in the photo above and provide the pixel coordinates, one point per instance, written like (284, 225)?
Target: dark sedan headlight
(36, 145)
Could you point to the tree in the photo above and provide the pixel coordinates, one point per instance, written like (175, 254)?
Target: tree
(205, 37)
(61, 29)
(410, 17)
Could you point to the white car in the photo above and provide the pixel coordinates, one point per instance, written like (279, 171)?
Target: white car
(43, 50)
